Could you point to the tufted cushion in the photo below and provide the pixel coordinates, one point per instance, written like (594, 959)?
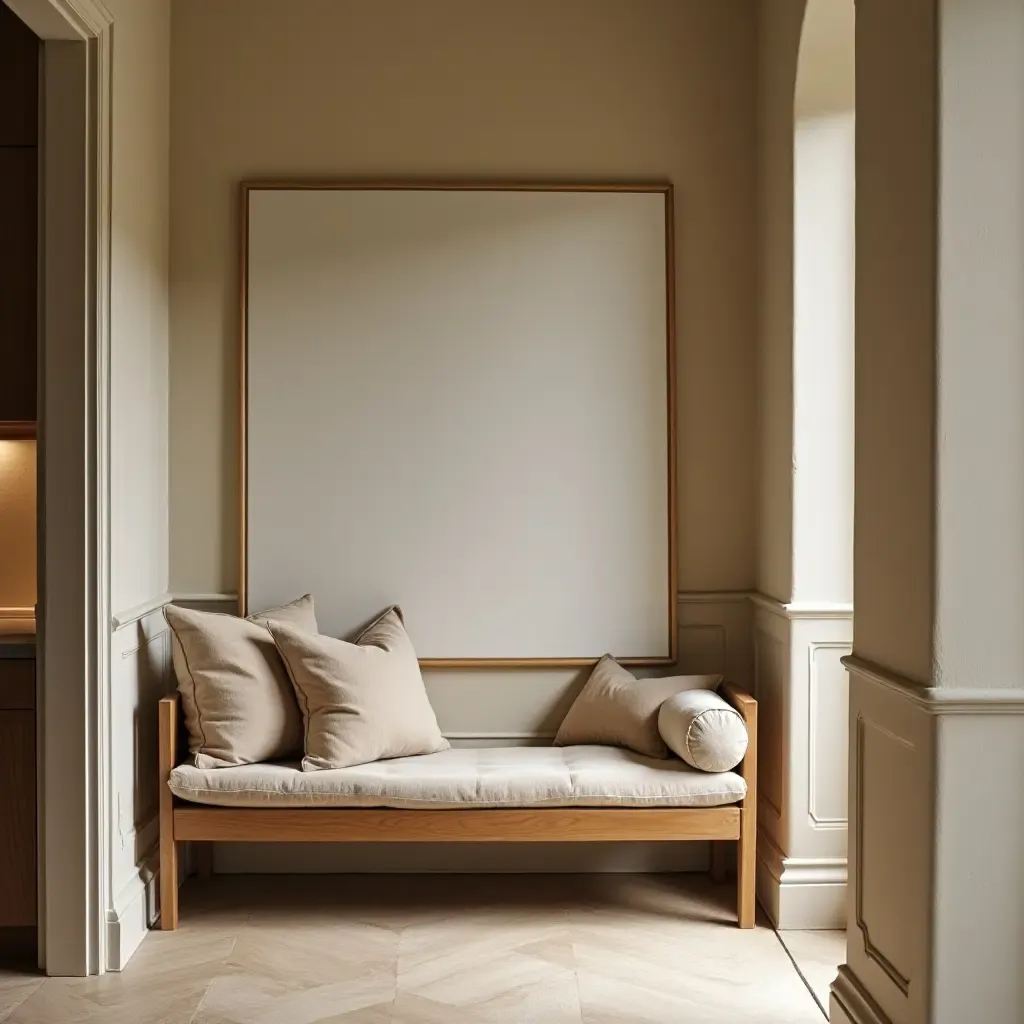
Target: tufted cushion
(470, 778)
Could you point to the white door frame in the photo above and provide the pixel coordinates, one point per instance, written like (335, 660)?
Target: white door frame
(74, 492)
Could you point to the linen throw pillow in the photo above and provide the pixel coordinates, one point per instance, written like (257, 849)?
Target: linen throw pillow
(360, 702)
(238, 702)
(616, 708)
(705, 731)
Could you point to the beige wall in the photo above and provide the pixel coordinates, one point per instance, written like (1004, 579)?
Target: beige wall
(778, 47)
(580, 89)
(139, 301)
(979, 539)
(895, 314)
(17, 524)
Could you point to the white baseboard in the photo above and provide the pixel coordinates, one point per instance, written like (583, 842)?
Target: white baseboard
(801, 893)
(133, 913)
(850, 1003)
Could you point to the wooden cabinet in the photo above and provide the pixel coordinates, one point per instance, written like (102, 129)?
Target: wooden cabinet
(17, 793)
(19, 173)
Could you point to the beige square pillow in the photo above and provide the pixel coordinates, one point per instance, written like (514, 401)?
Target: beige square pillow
(361, 702)
(616, 708)
(239, 706)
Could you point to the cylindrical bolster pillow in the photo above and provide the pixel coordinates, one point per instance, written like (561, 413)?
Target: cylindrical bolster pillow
(703, 730)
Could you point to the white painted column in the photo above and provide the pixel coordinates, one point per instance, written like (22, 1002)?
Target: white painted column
(937, 685)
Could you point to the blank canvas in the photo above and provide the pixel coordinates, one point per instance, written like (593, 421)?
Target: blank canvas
(458, 400)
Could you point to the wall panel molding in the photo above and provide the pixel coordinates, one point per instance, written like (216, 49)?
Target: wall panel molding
(141, 674)
(851, 999)
(893, 816)
(801, 609)
(770, 692)
(871, 950)
(125, 618)
(818, 700)
(802, 687)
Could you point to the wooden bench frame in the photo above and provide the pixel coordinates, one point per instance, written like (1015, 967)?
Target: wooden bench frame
(181, 821)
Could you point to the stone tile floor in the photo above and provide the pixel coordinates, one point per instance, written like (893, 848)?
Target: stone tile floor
(508, 949)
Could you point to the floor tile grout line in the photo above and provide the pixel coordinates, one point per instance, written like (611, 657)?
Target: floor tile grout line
(576, 976)
(800, 974)
(202, 999)
(206, 991)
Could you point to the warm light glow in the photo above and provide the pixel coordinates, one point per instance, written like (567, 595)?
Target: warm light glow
(16, 456)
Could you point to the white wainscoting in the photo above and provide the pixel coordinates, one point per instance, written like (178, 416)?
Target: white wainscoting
(140, 675)
(482, 707)
(935, 858)
(892, 743)
(803, 700)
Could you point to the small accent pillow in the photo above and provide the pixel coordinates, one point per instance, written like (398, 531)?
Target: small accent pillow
(239, 705)
(360, 702)
(616, 708)
(704, 730)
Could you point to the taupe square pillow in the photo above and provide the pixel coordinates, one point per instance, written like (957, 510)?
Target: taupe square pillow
(616, 708)
(360, 702)
(239, 705)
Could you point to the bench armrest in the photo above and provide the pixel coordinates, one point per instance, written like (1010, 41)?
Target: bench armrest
(169, 710)
(747, 707)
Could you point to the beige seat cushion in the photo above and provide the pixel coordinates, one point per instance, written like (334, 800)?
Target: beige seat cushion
(617, 708)
(468, 778)
(239, 705)
(360, 702)
(704, 730)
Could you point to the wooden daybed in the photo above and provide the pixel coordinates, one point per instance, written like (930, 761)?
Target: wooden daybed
(184, 820)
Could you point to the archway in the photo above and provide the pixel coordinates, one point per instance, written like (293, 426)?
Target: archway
(804, 618)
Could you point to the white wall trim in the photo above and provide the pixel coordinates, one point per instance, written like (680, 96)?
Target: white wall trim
(121, 619)
(800, 892)
(802, 609)
(683, 596)
(800, 870)
(813, 696)
(940, 700)
(853, 1001)
(713, 596)
(125, 618)
(184, 598)
(74, 500)
(133, 911)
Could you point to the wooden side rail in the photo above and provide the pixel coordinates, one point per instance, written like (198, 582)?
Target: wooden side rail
(170, 711)
(181, 821)
(746, 852)
(473, 825)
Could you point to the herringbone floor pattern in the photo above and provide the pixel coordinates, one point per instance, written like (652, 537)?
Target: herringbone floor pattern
(484, 949)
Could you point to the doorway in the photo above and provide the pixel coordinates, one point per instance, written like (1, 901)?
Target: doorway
(71, 621)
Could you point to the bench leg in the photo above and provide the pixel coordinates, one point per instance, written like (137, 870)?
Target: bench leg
(168, 882)
(720, 857)
(168, 847)
(746, 867)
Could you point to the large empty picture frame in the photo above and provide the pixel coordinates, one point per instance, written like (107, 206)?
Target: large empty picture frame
(460, 399)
